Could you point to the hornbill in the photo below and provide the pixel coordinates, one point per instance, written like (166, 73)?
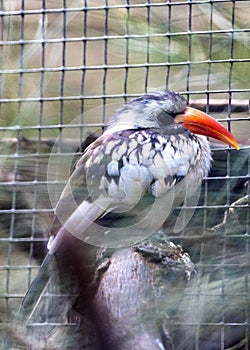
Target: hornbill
(153, 154)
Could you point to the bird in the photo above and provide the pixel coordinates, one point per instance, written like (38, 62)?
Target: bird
(152, 154)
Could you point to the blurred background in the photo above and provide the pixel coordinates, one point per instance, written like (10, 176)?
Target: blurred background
(65, 66)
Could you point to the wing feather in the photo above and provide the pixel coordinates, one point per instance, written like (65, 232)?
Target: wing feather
(114, 176)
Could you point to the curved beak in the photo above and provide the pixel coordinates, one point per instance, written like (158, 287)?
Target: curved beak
(201, 123)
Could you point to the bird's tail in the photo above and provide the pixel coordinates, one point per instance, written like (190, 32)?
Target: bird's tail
(52, 295)
(57, 282)
(37, 288)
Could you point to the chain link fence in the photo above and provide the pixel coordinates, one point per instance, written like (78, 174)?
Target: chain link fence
(64, 67)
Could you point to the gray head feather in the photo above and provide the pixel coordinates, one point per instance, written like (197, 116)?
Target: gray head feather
(143, 112)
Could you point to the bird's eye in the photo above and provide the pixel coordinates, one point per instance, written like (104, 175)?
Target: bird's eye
(165, 119)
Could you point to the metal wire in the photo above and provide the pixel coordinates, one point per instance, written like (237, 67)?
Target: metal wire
(60, 60)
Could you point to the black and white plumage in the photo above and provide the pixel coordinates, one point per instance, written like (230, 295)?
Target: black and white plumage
(128, 181)
(122, 170)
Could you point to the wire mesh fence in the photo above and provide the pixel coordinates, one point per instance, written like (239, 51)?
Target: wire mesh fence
(65, 66)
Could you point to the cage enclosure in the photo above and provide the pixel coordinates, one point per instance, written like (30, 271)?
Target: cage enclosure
(65, 67)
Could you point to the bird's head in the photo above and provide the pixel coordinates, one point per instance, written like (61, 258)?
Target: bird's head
(167, 110)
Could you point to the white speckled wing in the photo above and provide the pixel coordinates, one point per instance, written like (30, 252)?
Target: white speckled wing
(121, 170)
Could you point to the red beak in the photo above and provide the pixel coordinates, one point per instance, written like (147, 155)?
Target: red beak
(201, 123)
